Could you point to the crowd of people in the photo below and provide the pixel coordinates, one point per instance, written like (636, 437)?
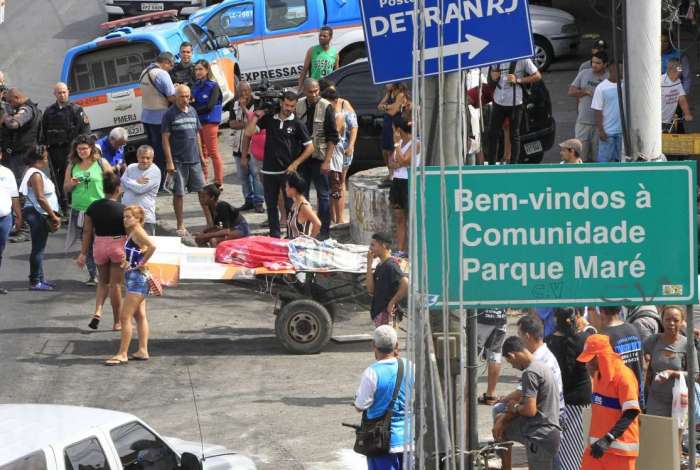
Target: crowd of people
(617, 361)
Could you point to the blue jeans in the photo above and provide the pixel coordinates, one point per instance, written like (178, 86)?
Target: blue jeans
(250, 183)
(155, 140)
(5, 227)
(609, 150)
(311, 170)
(39, 230)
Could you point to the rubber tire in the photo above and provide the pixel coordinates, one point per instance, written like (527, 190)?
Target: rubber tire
(352, 55)
(544, 50)
(314, 312)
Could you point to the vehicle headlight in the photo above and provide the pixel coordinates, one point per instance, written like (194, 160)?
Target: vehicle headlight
(570, 28)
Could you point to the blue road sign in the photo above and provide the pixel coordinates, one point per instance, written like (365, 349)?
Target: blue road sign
(475, 33)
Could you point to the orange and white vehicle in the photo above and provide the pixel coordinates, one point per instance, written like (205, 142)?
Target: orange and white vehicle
(103, 74)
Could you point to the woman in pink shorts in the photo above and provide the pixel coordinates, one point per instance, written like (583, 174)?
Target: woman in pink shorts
(104, 217)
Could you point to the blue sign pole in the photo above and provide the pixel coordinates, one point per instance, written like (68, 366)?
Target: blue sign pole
(474, 33)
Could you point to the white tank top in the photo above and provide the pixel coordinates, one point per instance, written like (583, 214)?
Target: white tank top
(402, 173)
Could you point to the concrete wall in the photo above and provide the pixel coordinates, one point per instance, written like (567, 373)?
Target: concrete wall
(369, 206)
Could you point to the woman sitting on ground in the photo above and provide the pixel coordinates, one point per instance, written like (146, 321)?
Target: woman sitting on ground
(229, 223)
(302, 220)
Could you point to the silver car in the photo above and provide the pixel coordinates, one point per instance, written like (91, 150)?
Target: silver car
(556, 35)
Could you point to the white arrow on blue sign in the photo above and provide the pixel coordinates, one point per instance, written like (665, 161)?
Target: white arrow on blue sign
(475, 33)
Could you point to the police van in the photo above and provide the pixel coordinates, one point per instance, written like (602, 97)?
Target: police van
(103, 74)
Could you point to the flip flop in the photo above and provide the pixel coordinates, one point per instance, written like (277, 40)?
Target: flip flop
(138, 358)
(486, 400)
(95, 322)
(115, 362)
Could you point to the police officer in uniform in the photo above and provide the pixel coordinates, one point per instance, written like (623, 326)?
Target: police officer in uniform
(63, 121)
(20, 131)
(183, 72)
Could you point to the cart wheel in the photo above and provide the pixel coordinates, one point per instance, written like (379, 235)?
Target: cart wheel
(304, 326)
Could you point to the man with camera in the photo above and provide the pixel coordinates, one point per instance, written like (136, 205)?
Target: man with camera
(319, 116)
(287, 145)
(246, 165)
(63, 121)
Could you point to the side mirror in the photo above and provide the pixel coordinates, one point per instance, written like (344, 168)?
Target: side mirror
(190, 461)
(221, 42)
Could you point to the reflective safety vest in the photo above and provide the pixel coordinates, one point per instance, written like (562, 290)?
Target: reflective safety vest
(608, 402)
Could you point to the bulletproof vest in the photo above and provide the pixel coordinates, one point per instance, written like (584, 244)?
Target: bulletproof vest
(59, 124)
(20, 140)
(151, 97)
(318, 133)
(183, 74)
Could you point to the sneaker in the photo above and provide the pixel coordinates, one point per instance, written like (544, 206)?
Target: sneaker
(246, 207)
(90, 282)
(3, 291)
(20, 238)
(51, 284)
(260, 209)
(42, 286)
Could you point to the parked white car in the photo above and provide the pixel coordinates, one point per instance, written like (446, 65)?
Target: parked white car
(58, 437)
(555, 32)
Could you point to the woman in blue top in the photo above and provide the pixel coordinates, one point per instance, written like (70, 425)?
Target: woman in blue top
(138, 250)
(207, 101)
(41, 211)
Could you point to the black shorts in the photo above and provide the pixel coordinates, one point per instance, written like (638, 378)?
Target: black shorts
(398, 194)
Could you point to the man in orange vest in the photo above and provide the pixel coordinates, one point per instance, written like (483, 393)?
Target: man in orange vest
(614, 432)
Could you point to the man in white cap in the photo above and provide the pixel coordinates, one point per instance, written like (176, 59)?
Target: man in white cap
(375, 393)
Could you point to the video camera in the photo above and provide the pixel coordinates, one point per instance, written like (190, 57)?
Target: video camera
(267, 97)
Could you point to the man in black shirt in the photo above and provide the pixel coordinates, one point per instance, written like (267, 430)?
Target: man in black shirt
(319, 116)
(183, 72)
(388, 284)
(287, 145)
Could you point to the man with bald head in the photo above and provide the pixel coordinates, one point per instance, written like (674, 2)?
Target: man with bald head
(63, 121)
(21, 128)
(182, 147)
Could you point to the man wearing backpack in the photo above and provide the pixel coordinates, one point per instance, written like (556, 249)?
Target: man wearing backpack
(20, 132)
(381, 390)
(508, 103)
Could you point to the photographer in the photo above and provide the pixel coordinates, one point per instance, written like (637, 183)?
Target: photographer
(246, 165)
(287, 146)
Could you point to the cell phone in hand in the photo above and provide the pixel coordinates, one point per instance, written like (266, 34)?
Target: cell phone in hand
(169, 184)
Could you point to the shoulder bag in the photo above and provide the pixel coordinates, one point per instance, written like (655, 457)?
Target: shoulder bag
(372, 437)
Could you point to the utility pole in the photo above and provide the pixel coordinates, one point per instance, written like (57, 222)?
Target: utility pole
(643, 46)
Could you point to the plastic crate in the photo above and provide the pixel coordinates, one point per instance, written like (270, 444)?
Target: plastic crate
(680, 144)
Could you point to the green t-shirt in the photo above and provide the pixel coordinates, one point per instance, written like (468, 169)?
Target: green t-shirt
(322, 61)
(85, 193)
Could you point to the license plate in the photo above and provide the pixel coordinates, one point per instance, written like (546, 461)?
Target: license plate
(134, 129)
(152, 7)
(533, 147)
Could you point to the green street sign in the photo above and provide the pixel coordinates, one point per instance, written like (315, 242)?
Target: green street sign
(557, 235)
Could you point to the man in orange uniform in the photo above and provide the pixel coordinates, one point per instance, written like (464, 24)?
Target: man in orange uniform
(614, 433)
